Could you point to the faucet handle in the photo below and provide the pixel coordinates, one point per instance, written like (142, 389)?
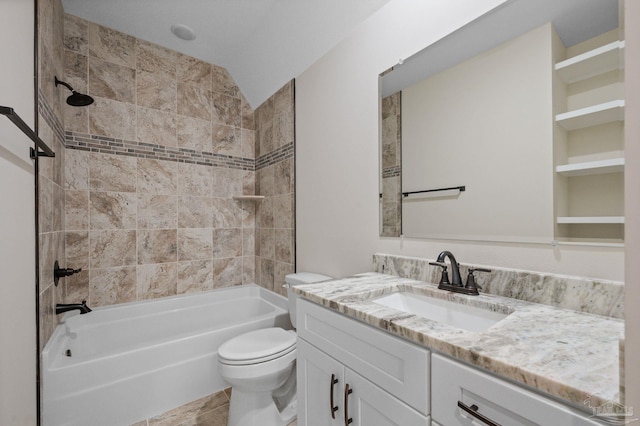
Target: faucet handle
(444, 279)
(471, 279)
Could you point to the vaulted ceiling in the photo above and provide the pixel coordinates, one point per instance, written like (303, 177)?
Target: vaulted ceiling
(262, 43)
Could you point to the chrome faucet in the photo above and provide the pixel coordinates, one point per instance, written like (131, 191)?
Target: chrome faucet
(64, 307)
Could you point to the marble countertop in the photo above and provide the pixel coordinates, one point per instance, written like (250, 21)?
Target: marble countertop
(568, 354)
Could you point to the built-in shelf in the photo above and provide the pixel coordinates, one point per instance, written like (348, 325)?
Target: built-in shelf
(248, 197)
(591, 220)
(594, 62)
(613, 165)
(592, 116)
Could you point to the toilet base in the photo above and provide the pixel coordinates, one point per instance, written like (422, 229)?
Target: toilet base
(258, 409)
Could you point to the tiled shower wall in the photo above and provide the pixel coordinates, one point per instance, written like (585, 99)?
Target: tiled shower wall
(151, 170)
(275, 239)
(51, 170)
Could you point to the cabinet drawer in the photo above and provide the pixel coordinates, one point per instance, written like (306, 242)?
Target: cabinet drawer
(500, 401)
(399, 367)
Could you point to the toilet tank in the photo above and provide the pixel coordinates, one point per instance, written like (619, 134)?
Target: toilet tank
(300, 278)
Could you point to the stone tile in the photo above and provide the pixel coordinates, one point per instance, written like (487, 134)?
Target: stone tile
(283, 129)
(157, 280)
(282, 211)
(112, 173)
(156, 59)
(47, 258)
(57, 223)
(112, 210)
(112, 285)
(265, 245)
(226, 110)
(194, 244)
(283, 98)
(209, 411)
(195, 212)
(112, 248)
(76, 34)
(281, 270)
(248, 214)
(223, 82)
(155, 91)
(112, 81)
(264, 213)
(157, 177)
(76, 250)
(76, 68)
(227, 243)
(195, 276)
(193, 101)
(264, 141)
(283, 175)
(283, 244)
(266, 273)
(226, 182)
(111, 45)
(46, 204)
(226, 140)
(193, 133)
(248, 116)
(112, 118)
(266, 181)
(227, 272)
(46, 315)
(247, 144)
(248, 270)
(77, 288)
(157, 211)
(194, 72)
(157, 246)
(227, 213)
(248, 242)
(156, 127)
(194, 179)
(76, 119)
(248, 182)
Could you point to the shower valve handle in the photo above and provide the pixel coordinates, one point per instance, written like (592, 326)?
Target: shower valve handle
(59, 272)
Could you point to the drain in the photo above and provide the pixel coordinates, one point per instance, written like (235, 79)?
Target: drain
(68, 352)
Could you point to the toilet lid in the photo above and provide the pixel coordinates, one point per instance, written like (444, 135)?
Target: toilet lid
(257, 345)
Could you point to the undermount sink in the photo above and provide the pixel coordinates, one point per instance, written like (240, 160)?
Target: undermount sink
(458, 315)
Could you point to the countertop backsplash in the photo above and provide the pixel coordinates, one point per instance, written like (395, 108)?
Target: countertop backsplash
(588, 295)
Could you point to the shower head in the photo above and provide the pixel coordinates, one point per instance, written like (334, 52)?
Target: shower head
(75, 99)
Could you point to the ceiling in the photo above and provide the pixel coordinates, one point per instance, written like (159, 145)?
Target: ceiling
(262, 43)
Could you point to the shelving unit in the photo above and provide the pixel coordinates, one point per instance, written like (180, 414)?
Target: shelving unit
(613, 165)
(589, 84)
(248, 197)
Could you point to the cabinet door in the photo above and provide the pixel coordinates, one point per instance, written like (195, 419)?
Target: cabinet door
(319, 376)
(497, 400)
(367, 405)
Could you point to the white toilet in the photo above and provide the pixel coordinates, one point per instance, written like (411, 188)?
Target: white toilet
(260, 366)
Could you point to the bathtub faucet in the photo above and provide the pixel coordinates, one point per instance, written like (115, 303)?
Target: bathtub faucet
(64, 307)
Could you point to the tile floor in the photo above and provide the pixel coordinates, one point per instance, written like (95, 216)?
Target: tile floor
(211, 410)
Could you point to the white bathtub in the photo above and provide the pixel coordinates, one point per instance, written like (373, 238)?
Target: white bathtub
(133, 361)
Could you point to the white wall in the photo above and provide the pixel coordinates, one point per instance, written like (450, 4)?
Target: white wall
(337, 154)
(632, 206)
(17, 227)
(476, 124)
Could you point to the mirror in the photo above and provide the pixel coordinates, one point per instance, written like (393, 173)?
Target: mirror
(469, 145)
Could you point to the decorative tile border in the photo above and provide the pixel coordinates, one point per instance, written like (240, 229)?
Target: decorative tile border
(391, 172)
(598, 297)
(107, 145)
(282, 153)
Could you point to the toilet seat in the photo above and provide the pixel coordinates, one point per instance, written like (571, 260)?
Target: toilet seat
(257, 346)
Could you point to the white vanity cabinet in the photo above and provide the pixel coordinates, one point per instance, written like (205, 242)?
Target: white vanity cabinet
(352, 374)
(455, 384)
